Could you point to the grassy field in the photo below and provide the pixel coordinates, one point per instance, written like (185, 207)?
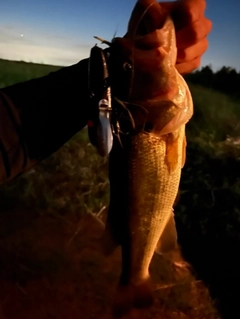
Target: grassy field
(73, 182)
(18, 71)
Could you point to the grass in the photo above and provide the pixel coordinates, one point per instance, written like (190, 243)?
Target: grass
(208, 214)
(74, 181)
(215, 113)
(18, 71)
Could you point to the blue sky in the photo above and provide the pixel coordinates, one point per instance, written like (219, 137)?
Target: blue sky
(61, 32)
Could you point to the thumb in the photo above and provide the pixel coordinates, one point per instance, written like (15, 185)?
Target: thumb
(168, 7)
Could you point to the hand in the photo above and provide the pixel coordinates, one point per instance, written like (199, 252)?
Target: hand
(192, 28)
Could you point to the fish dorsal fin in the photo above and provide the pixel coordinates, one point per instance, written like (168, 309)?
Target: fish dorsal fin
(168, 239)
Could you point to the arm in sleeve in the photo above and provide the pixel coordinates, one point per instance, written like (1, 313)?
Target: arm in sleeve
(38, 116)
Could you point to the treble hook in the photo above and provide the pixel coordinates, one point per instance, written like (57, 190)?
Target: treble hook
(126, 109)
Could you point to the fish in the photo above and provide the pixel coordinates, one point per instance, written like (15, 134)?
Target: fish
(145, 168)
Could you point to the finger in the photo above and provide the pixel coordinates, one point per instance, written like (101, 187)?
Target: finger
(187, 67)
(192, 52)
(186, 12)
(194, 33)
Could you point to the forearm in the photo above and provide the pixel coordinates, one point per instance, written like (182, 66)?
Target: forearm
(37, 117)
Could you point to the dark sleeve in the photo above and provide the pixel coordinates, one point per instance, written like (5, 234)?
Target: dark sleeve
(38, 116)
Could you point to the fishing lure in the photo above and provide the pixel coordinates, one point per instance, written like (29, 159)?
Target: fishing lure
(104, 119)
(99, 124)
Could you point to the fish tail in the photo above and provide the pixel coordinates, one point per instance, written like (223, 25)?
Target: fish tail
(130, 295)
(143, 296)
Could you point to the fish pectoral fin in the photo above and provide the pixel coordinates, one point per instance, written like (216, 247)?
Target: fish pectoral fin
(168, 239)
(184, 145)
(172, 152)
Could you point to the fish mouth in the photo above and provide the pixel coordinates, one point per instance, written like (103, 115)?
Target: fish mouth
(150, 27)
(150, 16)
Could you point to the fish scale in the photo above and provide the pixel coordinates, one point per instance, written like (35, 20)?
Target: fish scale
(144, 180)
(153, 188)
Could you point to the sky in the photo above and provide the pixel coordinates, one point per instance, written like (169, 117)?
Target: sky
(61, 32)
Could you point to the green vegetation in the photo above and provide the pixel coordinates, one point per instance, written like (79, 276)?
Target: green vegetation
(12, 72)
(216, 116)
(74, 180)
(226, 80)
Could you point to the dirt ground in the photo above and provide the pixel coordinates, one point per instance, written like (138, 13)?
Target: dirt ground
(52, 267)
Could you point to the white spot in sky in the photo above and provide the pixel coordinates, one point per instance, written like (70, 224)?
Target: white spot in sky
(21, 35)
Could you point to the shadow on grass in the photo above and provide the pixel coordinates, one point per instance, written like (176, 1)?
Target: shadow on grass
(216, 262)
(208, 220)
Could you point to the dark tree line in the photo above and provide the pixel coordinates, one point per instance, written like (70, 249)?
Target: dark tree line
(225, 80)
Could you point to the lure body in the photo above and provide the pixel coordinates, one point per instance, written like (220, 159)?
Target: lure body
(99, 124)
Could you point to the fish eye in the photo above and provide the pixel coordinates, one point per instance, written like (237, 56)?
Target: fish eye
(127, 66)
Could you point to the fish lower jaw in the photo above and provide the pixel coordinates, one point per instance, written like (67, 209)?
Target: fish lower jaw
(159, 97)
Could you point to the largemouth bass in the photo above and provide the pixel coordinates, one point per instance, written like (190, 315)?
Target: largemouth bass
(145, 168)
